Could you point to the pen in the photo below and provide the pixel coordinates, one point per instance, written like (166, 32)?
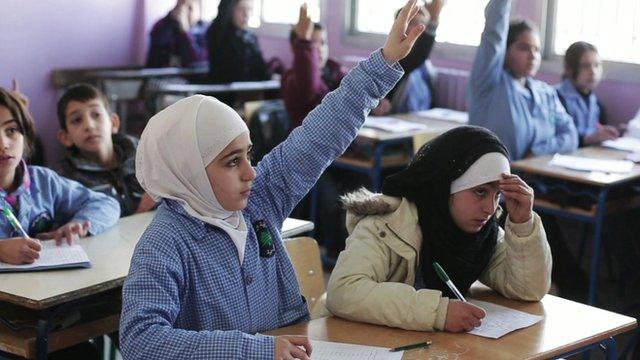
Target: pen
(13, 221)
(412, 346)
(445, 278)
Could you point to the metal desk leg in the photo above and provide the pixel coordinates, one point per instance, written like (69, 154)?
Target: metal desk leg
(42, 340)
(376, 172)
(597, 241)
(610, 349)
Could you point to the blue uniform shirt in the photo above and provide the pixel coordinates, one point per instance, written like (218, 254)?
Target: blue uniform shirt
(585, 112)
(526, 119)
(188, 297)
(48, 201)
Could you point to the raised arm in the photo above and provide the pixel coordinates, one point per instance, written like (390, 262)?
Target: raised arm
(151, 304)
(291, 168)
(489, 61)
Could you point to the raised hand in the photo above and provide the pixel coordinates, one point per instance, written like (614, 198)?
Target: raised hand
(399, 43)
(304, 27)
(518, 197)
(434, 8)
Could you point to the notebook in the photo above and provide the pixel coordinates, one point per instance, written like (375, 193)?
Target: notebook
(53, 257)
(325, 350)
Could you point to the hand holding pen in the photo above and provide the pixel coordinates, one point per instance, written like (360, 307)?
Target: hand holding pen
(18, 250)
(461, 315)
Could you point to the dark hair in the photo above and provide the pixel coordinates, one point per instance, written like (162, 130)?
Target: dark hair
(516, 28)
(293, 36)
(572, 58)
(82, 93)
(18, 109)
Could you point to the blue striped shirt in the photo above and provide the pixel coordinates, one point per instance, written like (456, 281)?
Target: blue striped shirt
(188, 297)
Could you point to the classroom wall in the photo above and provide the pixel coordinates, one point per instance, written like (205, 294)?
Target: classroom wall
(39, 36)
(622, 99)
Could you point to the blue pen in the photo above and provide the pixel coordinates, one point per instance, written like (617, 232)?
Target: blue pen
(13, 221)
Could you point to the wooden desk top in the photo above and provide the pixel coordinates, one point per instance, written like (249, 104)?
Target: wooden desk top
(539, 165)
(110, 254)
(434, 127)
(240, 86)
(567, 326)
(145, 73)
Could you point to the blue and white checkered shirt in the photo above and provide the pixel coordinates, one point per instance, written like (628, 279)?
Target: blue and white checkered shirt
(188, 297)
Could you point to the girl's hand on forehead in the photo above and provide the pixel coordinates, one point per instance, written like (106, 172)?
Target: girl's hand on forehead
(518, 197)
(399, 43)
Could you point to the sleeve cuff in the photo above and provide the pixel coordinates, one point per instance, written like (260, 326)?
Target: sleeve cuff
(381, 67)
(441, 313)
(523, 229)
(431, 28)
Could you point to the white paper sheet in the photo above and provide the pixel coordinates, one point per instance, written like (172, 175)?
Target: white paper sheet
(625, 143)
(501, 320)
(444, 114)
(391, 124)
(591, 164)
(53, 257)
(325, 350)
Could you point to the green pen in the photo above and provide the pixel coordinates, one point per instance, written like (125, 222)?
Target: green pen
(445, 278)
(412, 346)
(13, 221)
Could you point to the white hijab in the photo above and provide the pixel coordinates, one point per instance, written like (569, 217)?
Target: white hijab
(176, 146)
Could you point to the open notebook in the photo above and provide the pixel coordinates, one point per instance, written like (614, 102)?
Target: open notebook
(53, 257)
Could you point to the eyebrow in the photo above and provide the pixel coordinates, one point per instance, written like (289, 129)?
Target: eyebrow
(238, 151)
(80, 110)
(9, 121)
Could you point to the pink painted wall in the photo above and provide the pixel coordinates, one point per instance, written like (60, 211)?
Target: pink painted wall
(38, 36)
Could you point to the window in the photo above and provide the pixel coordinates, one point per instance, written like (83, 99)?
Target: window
(612, 25)
(268, 11)
(376, 16)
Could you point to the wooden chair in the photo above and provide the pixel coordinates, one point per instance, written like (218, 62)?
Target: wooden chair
(305, 256)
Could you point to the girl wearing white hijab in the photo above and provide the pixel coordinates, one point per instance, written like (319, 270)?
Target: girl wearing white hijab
(210, 272)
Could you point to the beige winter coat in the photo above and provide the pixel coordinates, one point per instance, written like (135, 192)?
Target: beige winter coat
(374, 276)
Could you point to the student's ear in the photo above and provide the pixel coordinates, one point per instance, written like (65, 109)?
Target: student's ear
(115, 123)
(63, 137)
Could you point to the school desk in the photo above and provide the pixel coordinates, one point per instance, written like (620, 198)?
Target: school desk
(381, 140)
(609, 192)
(184, 90)
(42, 296)
(567, 328)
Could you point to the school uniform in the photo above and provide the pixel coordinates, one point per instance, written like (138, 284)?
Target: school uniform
(585, 110)
(45, 201)
(120, 183)
(527, 119)
(191, 295)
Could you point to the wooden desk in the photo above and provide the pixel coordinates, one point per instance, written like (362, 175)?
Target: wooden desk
(568, 327)
(601, 184)
(41, 292)
(184, 90)
(383, 139)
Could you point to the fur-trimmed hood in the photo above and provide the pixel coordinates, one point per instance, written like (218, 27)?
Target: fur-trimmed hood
(363, 202)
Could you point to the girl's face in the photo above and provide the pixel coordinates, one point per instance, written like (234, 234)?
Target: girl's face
(472, 208)
(523, 55)
(589, 72)
(231, 174)
(241, 13)
(11, 142)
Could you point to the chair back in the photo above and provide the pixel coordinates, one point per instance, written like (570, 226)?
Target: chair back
(305, 256)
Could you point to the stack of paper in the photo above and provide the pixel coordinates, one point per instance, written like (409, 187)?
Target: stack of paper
(624, 143)
(591, 164)
(325, 350)
(392, 124)
(501, 320)
(53, 257)
(444, 114)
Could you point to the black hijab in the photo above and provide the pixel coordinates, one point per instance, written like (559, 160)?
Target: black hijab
(426, 182)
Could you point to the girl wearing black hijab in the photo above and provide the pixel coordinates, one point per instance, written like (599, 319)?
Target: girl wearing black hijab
(443, 207)
(234, 52)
